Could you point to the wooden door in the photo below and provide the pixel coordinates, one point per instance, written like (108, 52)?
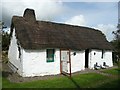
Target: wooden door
(65, 62)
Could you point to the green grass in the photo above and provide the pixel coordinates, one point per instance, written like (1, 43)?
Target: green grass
(90, 80)
(110, 84)
(77, 81)
(0, 82)
(115, 71)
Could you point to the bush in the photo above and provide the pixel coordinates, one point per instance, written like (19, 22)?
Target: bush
(5, 41)
(4, 56)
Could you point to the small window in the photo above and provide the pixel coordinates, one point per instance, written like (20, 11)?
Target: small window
(103, 52)
(19, 51)
(50, 55)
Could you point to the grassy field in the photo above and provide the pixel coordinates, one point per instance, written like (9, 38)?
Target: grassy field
(111, 84)
(90, 80)
(112, 71)
(0, 79)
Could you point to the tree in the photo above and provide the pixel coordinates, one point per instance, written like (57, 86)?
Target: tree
(116, 42)
(5, 41)
(5, 38)
(0, 36)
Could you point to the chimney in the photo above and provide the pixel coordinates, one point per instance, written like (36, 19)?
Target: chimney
(29, 15)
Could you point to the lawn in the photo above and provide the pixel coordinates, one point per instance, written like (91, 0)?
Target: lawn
(89, 80)
(110, 84)
(115, 71)
(0, 80)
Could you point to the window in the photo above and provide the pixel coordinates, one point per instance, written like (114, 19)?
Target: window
(50, 55)
(103, 52)
(19, 51)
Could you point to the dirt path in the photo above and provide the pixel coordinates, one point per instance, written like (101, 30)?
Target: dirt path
(107, 74)
(98, 71)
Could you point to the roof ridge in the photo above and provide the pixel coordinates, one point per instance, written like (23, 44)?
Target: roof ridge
(59, 23)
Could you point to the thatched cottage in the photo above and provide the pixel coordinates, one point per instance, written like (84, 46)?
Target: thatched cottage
(39, 48)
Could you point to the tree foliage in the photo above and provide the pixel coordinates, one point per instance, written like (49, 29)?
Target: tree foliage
(5, 41)
(116, 42)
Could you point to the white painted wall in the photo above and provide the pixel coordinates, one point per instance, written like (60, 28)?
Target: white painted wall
(35, 64)
(77, 61)
(13, 54)
(107, 57)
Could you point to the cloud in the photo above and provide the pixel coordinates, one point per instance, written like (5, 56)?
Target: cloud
(90, 0)
(107, 30)
(45, 9)
(76, 20)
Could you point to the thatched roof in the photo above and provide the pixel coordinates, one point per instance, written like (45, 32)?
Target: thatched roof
(33, 34)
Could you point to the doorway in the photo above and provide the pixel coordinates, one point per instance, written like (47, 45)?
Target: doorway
(86, 57)
(65, 62)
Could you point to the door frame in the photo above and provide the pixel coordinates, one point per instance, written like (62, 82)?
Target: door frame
(67, 62)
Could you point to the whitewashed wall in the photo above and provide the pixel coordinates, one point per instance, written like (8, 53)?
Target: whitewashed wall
(13, 54)
(77, 61)
(93, 58)
(35, 64)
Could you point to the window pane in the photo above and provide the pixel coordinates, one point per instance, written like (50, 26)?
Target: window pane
(50, 55)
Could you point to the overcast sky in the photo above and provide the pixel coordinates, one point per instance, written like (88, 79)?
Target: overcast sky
(100, 15)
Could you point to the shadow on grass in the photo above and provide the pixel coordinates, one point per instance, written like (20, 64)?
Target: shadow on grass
(111, 84)
(118, 70)
(73, 81)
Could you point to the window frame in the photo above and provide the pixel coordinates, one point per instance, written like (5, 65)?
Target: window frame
(50, 55)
